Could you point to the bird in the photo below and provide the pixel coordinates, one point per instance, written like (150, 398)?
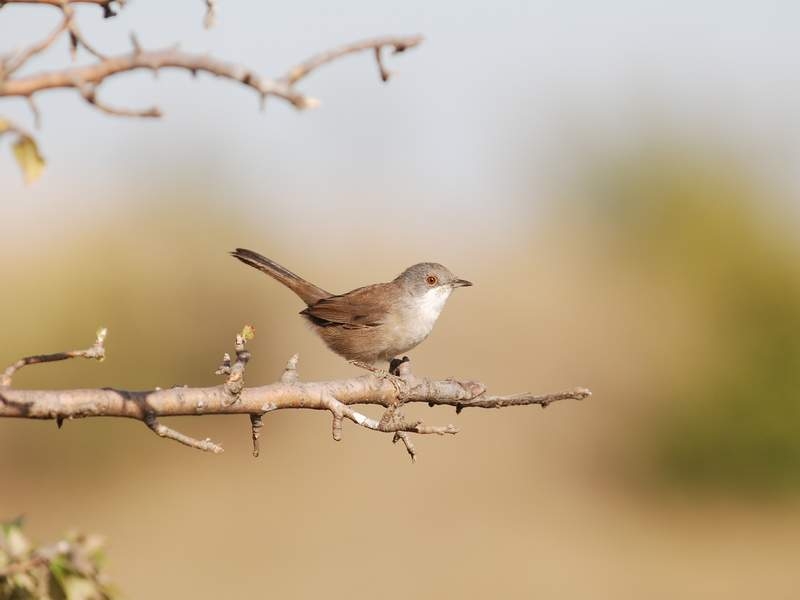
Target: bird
(377, 322)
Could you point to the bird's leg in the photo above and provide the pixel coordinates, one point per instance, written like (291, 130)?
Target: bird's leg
(396, 366)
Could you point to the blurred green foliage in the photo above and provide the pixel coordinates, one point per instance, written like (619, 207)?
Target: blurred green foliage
(695, 219)
(69, 569)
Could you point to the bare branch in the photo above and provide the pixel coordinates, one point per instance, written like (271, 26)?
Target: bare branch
(96, 73)
(97, 351)
(336, 397)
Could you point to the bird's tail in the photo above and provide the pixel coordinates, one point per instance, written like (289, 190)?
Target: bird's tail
(308, 292)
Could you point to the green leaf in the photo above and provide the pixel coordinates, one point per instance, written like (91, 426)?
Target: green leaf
(28, 157)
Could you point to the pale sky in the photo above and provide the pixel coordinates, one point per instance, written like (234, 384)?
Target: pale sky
(477, 110)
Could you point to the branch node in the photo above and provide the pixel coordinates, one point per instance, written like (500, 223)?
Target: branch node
(290, 372)
(235, 371)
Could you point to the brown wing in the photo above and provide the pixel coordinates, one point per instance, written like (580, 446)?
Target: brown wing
(361, 308)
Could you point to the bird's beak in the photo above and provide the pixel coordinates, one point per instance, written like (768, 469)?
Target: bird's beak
(461, 283)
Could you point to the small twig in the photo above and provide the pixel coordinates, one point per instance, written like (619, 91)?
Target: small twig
(37, 115)
(341, 411)
(289, 374)
(97, 351)
(89, 93)
(211, 14)
(256, 423)
(385, 73)
(77, 39)
(162, 430)
(400, 44)
(393, 414)
(406, 439)
(14, 63)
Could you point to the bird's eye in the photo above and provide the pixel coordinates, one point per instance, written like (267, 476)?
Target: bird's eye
(432, 279)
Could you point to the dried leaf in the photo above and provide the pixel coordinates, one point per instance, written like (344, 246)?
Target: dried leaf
(248, 333)
(29, 159)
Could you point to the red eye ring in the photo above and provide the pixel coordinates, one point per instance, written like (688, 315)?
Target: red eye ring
(432, 280)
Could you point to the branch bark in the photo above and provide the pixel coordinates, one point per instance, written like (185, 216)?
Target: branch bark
(390, 391)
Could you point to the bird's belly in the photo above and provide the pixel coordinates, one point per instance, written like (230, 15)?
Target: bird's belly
(401, 330)
(403, 337)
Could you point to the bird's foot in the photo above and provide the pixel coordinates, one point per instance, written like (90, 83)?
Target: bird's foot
(392, 375)
(366, 366)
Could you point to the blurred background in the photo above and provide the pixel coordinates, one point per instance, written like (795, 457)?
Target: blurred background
(619, 180)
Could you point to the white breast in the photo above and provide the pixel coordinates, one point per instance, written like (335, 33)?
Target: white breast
(420, 316)
(431, 305)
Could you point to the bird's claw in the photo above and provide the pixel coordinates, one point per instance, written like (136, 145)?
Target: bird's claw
(396, 381)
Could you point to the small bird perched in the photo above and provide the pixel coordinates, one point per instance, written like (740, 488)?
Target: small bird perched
(374, 322)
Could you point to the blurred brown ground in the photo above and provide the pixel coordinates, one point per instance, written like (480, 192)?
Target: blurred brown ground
(522, 502)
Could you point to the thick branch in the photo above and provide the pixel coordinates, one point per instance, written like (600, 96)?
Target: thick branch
(336, 397)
